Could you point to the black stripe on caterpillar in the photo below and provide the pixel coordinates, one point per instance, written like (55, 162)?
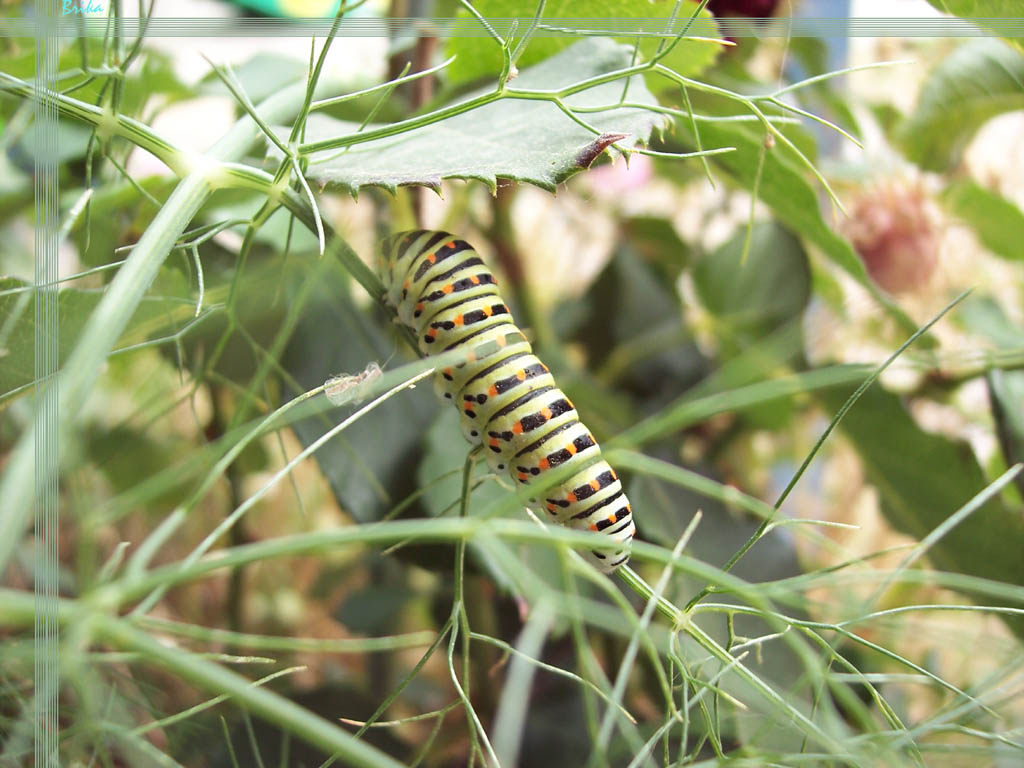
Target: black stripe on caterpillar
(507, 399)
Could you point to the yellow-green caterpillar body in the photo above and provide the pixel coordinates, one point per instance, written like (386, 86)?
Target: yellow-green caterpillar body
(507, 398)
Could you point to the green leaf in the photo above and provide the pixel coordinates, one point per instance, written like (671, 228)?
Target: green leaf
(440, 471)
(439, 474)
(978, 81)
(983, 316)
(784, 188)
(752, 294)
(371, 464)
(996, 221)
(262, 75)
(980, 11)
(155, 316)
(478, 57)
(630, 322)
(751, 298)
(117, 216)
(524, 140)
(1006, 393)
(923, 478)
(126, 456)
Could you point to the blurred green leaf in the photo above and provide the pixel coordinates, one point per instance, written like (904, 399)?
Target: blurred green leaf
(923, 478)
(373, 609)
(632, 324)
(479, 57)
(979, 11)
(996, 221)
(261, 76)
(525, 140)
(440, 471)
(980, 80)
(751, 295)
(784, 188)
(983, 316)
(72, 141)
(275, 232)
(155, 77)
(156, 315)
(440, 475)
(126, 455)
(371, 465)
(1006, 393)
(750, 299)
(656, 241)
(15, 188)
(117, 216)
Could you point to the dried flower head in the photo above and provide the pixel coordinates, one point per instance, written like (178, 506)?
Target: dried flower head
(893, 226)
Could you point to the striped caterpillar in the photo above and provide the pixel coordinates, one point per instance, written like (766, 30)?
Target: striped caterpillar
(506, 397)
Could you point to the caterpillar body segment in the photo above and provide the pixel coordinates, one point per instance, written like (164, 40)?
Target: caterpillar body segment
(507, 399)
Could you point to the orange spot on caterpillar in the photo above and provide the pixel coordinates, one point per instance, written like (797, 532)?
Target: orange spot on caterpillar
(488, 311)
(431, 258)
(494, 442)
(521, 374)
(458, 319)
(475, 280)
(522, 476)
(612, 518)
(571, 497)
(595, 485)
(450, 244)
(544, 463)
(571, 448)
(518, 427)
(448, 288)
(546, 413)
(492, 390)
(593, 526)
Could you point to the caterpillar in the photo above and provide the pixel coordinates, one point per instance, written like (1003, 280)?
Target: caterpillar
(506, 397)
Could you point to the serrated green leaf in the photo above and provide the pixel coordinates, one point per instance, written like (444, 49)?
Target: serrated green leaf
(479, 57)
(923, 478)
(978, 81)
(996, 221)
(524, 140)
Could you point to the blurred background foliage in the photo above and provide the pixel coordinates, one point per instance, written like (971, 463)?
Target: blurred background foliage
(667, 296)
